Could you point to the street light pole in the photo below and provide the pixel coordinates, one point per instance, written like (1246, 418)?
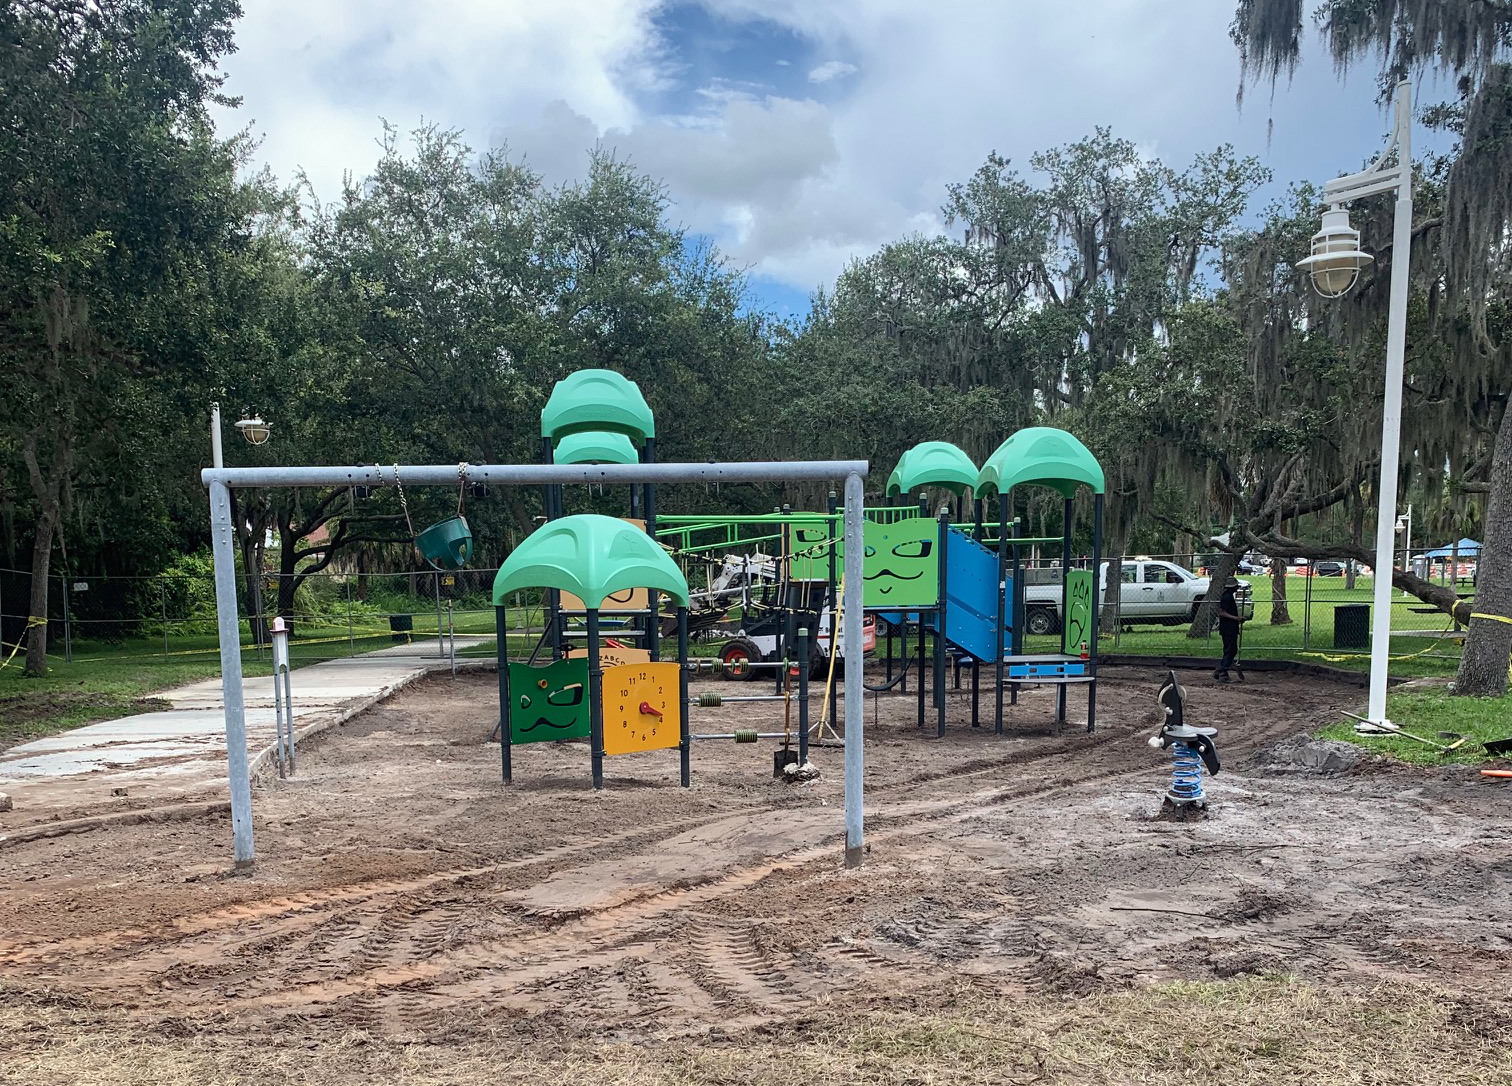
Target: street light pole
(1334, 266)
(217, 457)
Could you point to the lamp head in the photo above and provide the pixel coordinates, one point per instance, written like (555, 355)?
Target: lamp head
(1336, 257)
(255, 430)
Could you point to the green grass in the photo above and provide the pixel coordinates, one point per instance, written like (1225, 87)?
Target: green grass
(1417, 648)
(109, 680)
(1425, 713)
(101, 683)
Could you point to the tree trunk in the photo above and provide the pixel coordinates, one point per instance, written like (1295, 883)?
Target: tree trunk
(1356, 535)
(50, 488)
(1488, 642)
(36, 635)
(1280, 615)
(288, 560)
(1107, 622)
(1207, 614)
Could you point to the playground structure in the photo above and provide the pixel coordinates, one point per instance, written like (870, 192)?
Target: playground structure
(944, 578)
(940, 577)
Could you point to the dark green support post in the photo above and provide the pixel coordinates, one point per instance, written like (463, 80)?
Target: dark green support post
(940, 638)
(506, 733)
(923, 648)
(1002, 622)
(685, 745)
(976, 691)
(1065, 611)
(595, 699)
(1097, 605)
(803, 705)
(834, 599)
(1018, 596)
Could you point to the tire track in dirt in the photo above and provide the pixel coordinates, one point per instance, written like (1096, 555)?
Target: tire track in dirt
(402, 963)
(311, 902)
(499, 968)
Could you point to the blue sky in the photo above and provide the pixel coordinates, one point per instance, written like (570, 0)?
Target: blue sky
(796, 134)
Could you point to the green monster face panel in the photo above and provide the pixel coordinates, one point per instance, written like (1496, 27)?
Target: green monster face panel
(808, 543)
(902, 568)
(548, 703)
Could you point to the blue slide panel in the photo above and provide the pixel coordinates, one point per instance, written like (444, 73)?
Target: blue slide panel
(970, 577)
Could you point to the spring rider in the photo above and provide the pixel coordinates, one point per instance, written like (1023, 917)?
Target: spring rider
(1192, 749)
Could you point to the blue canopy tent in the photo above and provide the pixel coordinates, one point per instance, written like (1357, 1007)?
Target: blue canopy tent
(1468, 548)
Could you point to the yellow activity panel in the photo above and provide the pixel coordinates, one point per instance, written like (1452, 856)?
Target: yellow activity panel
(642, 710)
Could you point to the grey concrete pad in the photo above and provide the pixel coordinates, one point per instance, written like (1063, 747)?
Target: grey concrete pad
(174, 752)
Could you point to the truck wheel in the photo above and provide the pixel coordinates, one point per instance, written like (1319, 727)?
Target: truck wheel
(1040, 621)
(738, 656)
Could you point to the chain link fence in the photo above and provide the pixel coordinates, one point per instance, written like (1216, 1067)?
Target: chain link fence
(330, 614)
(1320, 608)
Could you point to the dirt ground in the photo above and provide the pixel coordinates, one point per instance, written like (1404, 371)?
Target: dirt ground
(1022, 915)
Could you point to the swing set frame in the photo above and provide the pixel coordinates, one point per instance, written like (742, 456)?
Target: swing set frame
(221, 481)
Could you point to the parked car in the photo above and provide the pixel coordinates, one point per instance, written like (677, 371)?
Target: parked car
(1328, 568)
(1152, 592)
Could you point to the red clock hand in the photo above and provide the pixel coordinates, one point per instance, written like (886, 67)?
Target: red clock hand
(649, 710)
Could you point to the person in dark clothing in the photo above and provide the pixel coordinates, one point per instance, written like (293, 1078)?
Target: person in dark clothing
(1228, 628)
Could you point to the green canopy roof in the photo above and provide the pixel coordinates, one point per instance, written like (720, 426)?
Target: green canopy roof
(1041, 456)
(595, 447)
(933, 463)
(597, 400)
(590, 556)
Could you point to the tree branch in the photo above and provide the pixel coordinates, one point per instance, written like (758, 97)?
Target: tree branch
(1445, 599)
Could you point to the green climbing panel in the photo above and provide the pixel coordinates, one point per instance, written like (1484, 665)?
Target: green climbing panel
(808, 543)
(1078, 625)
(902, 566)
(547, 703)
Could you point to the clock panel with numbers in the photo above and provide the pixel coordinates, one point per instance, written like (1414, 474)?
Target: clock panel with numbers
(642, 707)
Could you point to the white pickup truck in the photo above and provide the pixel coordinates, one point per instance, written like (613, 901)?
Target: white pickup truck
(1152, 592)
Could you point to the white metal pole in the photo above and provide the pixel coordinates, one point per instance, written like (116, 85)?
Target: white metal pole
(1407, 549)
(217, 457)
(855, 499)
(231, 673)
(1391, 416)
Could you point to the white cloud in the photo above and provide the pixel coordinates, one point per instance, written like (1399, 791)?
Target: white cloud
(831, 69)
(791, 186)
(316, 78)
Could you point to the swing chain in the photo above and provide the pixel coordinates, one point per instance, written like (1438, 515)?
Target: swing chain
(462, 485)
(404, 503)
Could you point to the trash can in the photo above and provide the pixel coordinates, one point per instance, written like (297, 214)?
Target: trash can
(1352, 626)
(400, 626)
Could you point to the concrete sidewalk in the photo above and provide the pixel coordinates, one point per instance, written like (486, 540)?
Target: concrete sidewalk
(179, 754)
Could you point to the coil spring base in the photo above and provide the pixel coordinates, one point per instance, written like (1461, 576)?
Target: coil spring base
(1186, 778)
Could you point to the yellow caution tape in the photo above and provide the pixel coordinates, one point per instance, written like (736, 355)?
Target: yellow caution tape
(31, 620)
(1493, 618)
